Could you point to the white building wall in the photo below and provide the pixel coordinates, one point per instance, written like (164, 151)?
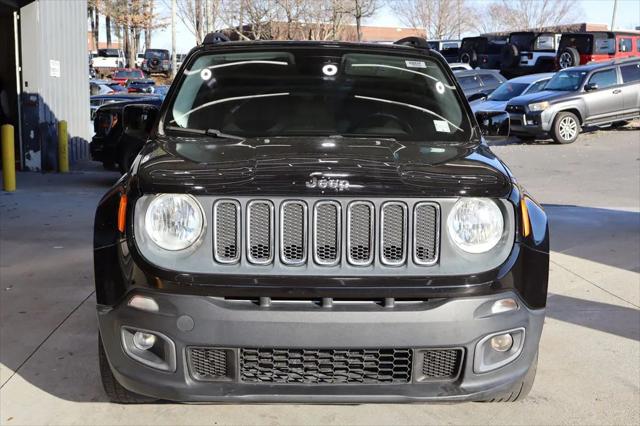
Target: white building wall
(55, 30)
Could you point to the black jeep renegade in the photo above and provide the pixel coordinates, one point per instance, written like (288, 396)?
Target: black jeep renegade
(318, 222)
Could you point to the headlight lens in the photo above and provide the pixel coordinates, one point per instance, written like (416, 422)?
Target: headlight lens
(475, 224)
(174, 221)
(538, 106)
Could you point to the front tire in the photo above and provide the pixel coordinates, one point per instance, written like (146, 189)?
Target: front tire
(114, 390)
(566, 128)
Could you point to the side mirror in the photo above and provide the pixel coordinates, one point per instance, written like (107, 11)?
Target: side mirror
(494, 125)
(138, 120)
(590, 86)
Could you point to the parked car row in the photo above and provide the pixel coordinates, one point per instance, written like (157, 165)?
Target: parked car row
(530, 52)
(559, 105)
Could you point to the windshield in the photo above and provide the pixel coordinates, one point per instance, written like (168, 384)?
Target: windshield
(568, 81)
(506, 91)
(156, 54)
(524, 41)
(128, 74)
(108, 53)
(319, 92)
(479, 44)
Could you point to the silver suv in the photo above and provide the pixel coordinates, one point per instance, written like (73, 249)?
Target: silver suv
(596, 94)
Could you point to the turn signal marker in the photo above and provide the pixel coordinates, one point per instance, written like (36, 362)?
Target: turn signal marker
(526, 222)
(122, 213)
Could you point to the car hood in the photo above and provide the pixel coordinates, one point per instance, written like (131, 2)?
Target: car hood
(545, 95)
(488, 106)
(294, 166)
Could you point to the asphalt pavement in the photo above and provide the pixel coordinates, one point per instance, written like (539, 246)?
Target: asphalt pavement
(589, 366)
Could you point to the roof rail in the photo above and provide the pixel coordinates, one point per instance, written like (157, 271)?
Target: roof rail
(213, 38)
(417, 42)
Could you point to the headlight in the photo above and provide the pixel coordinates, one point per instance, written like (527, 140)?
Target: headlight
(539, 106)
(475, 224)
(174, 221)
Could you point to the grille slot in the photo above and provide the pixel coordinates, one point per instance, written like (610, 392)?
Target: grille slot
(360, 233)
(226, 232)
(293, 232)
(441, 364)
(260, 231)
(207, 363)
(325, 366)
(426, 229)
(393, 232)
(326, 233)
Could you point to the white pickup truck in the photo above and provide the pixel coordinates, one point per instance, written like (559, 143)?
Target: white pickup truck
(108, 60)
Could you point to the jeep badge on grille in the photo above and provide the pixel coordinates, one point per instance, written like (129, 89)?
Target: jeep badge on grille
(324, 183)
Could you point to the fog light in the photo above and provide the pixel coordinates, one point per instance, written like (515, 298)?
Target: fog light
(501, 342)
(144, 341)
(504, 305)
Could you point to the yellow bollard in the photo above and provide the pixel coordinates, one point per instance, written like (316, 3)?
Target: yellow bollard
(63, 147)
(8, 159)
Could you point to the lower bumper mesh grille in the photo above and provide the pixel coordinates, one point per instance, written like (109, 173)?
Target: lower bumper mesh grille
(207, 363)
(327, 366)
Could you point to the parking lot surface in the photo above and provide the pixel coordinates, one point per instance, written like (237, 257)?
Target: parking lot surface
(589, 366)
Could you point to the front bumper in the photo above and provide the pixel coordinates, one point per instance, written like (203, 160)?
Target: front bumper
(217, 322)
(529, 123)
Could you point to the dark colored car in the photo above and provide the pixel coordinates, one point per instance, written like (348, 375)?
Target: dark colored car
(478, 84)
(318, 221)
(141, 86)
(601, 93)
(157, 61)
(450, 49)
(529, 52)
(483, 52)
(111, 145)
(581, 48)
(123, 75)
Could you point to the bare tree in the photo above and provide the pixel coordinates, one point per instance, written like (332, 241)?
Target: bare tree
(197, 15)
(504, 15)
(360, 9)
(148, 29)
(437, 19)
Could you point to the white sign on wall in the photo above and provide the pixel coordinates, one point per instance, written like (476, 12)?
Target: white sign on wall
(54, 68)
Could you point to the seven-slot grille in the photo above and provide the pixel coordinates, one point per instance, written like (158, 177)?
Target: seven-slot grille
(390, 233)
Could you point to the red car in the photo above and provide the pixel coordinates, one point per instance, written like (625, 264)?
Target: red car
(122, 75)
(581, 48)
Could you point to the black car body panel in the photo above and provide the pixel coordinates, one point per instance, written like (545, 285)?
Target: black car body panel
(478, 84)
(240, 311)
(109, 140)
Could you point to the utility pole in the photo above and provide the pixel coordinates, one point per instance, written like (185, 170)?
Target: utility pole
(173, 38)
(210, 23)
(613, 17)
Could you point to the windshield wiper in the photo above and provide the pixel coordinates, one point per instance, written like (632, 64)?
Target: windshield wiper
(215, 133)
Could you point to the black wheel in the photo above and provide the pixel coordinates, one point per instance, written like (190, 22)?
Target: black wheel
(566, 128)
(568, 57)
(114, 390)
(126, 157)
(520, 391)
(618, 124)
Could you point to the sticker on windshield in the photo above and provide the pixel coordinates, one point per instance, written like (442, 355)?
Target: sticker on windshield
(441, 126)
(415, 64)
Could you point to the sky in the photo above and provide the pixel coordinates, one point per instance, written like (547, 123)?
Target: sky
(592, 11)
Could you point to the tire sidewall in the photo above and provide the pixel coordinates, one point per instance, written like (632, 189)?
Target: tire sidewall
(556, 128)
